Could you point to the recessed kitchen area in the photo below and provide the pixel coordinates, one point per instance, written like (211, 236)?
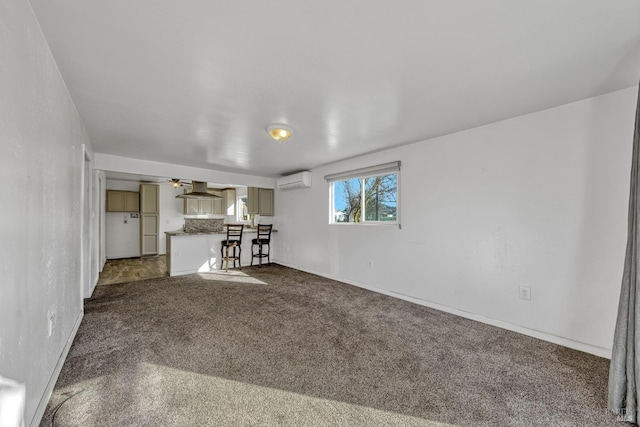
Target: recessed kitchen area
(181, 221)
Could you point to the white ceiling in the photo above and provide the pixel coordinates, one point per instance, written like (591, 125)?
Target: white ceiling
(196, 82)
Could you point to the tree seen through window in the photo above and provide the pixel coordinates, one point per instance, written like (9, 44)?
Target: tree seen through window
(369, 199)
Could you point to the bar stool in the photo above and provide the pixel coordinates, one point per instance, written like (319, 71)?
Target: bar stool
(234, 240)
(264, 238)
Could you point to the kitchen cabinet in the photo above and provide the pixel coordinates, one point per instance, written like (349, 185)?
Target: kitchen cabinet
(253, 195)
(229, 201)
(217, 206)
(149, 219)
(191, 206)
(265, 202)
(260, 201)
(149, 198)
(123, 201)
(225, 205)
(199, 206)
(202, 206)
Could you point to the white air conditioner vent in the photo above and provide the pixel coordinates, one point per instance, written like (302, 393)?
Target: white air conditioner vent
(295, 181)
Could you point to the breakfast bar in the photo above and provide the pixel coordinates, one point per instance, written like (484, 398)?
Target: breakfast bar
(197, 252)
(196, 248)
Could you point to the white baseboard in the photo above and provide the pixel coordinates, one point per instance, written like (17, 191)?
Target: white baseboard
(566, 342)
(44, 400)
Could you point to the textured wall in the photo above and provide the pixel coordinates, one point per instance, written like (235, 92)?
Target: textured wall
(41, 156)
(538, 200)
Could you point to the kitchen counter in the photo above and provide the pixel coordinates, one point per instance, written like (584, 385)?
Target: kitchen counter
(195, 233)
(199, 251)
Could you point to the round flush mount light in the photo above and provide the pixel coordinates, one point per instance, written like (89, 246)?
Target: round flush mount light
(280, 132)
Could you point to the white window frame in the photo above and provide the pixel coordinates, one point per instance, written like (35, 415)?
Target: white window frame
(362, 174)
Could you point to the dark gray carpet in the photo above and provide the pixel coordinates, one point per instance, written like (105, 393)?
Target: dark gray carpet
(276, 346)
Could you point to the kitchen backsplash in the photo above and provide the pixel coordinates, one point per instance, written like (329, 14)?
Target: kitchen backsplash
(195, 225)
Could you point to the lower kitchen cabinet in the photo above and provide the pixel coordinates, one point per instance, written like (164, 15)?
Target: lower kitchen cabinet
(149, 225)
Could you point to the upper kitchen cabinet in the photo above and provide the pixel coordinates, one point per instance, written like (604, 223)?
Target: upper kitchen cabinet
(265, 202)
(260, 201)
(229, 201)
(191, 206)
(224, 205)
(199, 206)
(149, 198)
(203, 206)
(123, 201)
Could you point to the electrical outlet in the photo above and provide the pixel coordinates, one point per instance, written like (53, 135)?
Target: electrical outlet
(370, 264)
(525, 293)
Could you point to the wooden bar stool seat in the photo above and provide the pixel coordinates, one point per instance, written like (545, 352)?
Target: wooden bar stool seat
(229, 246)
(263, 239)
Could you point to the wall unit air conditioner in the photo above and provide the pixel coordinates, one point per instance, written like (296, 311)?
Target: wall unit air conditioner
(295, 181)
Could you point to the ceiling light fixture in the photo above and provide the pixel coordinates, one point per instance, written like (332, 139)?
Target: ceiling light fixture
(176, 183)
(280, 132)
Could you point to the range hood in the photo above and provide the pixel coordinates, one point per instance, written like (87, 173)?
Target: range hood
(198, 191)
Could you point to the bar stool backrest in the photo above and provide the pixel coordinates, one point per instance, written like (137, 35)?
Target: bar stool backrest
(234, 232)
(264, 232)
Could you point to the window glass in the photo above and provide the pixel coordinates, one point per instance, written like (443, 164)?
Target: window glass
(242, 209)
(380, 197)
(347, 200)
(366, 199)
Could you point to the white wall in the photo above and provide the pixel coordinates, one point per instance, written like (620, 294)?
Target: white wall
(539, 200)
(41, 165)
(171, 212)
(122, 231)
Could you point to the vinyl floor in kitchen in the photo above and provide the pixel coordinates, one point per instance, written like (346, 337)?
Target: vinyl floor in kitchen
(132, 269)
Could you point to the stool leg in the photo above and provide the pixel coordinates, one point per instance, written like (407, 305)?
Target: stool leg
(237, 256)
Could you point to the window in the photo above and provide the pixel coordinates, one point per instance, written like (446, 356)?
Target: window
(241, 212)
(368, 195)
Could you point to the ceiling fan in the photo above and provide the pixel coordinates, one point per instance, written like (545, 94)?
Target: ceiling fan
(175, 182)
